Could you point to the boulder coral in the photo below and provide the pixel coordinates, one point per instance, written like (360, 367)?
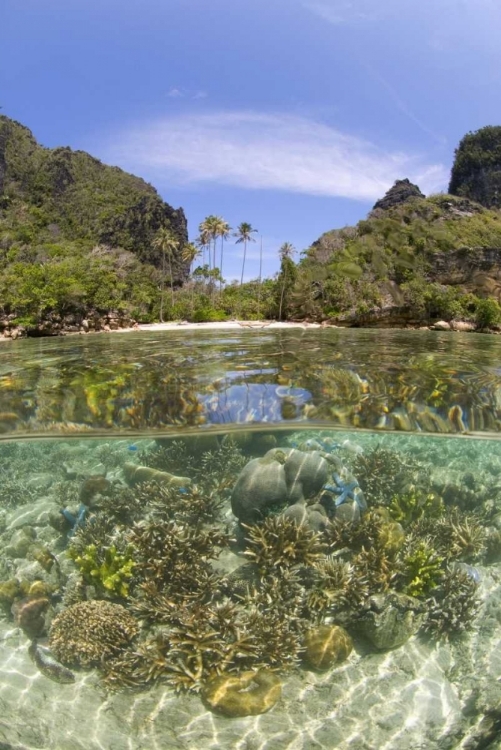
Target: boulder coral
(280, 478)
(246, 694)
(326, 646)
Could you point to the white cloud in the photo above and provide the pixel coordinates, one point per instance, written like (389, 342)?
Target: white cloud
(175, 93)
(341, 12)
(266, 151)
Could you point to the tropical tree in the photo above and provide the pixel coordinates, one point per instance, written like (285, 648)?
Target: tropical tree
(189, 254)
(224, 232)
(208, 234)
(244, 234)
(166, 242)
(287, 272)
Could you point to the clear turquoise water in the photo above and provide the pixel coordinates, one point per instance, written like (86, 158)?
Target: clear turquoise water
(408, 420)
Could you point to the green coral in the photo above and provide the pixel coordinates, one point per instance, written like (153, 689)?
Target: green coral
(106, 568)
(422, 569)
(407, 507)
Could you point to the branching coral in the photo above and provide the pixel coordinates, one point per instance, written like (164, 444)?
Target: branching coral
(176, 557)
(375, 529)
(339, 590)
(454, 604)
(89, 633)
(377, 568)
(280, 543)
(107, 568)
(414, 504)
(195, 504)
(382, 472)
(422, 568)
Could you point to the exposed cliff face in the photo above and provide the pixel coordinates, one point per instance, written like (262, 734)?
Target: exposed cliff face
(476, 172)
(82, 199)
(402, 190)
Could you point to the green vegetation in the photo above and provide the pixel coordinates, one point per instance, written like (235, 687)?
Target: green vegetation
(476, 173)
(78, 239)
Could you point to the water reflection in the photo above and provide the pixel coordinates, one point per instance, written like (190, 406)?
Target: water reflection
(375, 379)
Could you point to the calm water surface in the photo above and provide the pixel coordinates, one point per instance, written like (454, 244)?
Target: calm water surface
(384, 380)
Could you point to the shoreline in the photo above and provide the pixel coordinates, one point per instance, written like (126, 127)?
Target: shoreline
(219, 326)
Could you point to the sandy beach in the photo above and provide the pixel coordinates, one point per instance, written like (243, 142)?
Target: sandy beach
(220, 326)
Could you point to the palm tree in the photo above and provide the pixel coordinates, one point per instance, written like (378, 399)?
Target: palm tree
(286, 252)
(244, 234)
(209, 229)
(189, 254)
(223, 231)
(167, 243)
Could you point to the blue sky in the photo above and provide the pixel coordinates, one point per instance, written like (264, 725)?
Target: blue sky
(294, 115)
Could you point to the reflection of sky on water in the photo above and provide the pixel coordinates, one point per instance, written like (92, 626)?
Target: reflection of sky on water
(254, 402)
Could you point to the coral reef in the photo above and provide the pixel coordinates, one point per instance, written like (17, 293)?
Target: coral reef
(382, 472)
(90, 633)
(246, 694)
(410, 506)
(326, 645)
(281, 477)
(176, 557)
(91, 486)
(281, 543)
(453, 604)
(107, 568)
(135, 475)
(422, 568)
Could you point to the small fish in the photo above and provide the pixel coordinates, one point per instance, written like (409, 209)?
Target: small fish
(132, 448)
(49, 666)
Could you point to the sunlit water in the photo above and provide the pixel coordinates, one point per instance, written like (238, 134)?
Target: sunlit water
(148, 441)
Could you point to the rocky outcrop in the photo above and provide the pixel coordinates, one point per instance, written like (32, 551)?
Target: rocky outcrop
(476, 172)
(56, 324)
(402, 191)
(82, 199)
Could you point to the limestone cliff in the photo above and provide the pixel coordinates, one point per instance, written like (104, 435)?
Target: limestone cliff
(48, 193)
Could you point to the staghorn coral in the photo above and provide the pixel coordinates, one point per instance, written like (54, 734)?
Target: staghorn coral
(14, 492)
(457, 535)
(375, 529)
(339, 590)
(246, 694)
(453, 606)
(176, 557)
(195, 504)
(382, 472)
(280, 543)
(89, 633)
(376, 568)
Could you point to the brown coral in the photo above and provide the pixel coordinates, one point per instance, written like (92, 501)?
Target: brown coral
(246, 694)
(88, 633)
(280, 543)
(326, 646)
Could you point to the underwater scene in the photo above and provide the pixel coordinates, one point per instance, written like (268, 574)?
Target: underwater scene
(251, 589)
(256, 541)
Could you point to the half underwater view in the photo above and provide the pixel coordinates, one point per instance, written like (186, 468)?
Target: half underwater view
(256, 540)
